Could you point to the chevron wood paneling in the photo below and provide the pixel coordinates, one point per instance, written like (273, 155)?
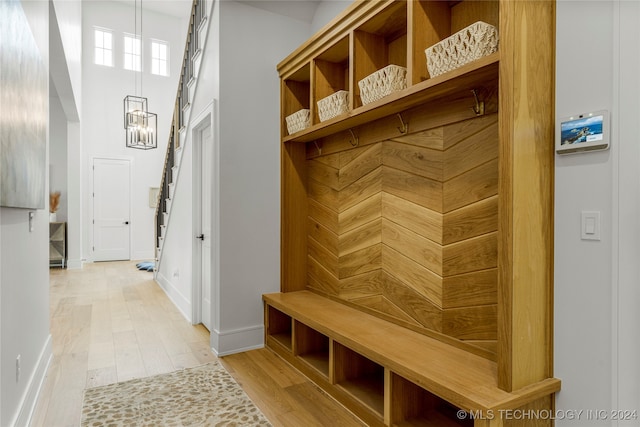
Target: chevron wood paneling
(416, 160)
(362, 285)
(381, 304)
(477, 184)
(477, 288)
(361, 261)
(420, 309)
(413, 188)
(420, 249)
(425, 222)
(365, 187)
(360, 214)
(407, 228)
(422, 280)
(470, 221)
(359, 238)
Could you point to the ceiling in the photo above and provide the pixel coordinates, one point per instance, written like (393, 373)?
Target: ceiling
(297, 9)
(177, 8)
(303, 10)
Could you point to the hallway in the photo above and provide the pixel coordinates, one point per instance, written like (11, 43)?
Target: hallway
(111, 322)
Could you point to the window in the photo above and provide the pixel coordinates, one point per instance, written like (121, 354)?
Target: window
(132, 56)
(159, 58)
(103, 51)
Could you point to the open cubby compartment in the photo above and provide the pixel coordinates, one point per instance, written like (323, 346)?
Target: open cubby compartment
(331, 72)
(361, 378)
(279, 327)
(435, 20)
(412, 405)
(296, 94)
(378, 42)
(312, 347)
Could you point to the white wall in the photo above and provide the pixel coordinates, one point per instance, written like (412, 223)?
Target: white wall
(626, 295)
(253, 42)
(24, 282)
(175, 269)
(68, 21)
(243, 48)
(104, 89)
(65, 45)
(58, 153)
(596, 296)
(326, 11)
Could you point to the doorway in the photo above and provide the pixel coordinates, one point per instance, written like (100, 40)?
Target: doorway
(204, 218)
(111, 209)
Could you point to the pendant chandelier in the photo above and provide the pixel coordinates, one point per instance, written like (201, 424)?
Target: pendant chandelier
(140, 125)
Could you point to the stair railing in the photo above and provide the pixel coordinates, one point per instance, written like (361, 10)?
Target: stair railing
(197, 17)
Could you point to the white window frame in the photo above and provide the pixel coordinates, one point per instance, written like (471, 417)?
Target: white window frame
(157, 61)
(99, 48)
(132, 60)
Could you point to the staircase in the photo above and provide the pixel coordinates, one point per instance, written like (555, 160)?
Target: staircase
(196, 37)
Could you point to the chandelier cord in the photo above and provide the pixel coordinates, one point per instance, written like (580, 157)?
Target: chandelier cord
(140, 45)
(135, 37)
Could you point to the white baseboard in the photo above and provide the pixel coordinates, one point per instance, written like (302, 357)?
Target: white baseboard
(74, 264)
(34, 387)
(143, 255)
(224, 343)
(180, 301)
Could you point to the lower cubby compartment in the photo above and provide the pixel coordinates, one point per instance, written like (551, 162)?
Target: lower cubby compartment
(413, 406)
(312, 347)
(360, 377)
(279, 327)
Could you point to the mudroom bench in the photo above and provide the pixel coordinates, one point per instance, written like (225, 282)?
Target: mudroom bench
(387, 374)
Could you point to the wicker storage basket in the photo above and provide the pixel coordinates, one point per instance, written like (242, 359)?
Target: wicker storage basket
(477, 40)
(383, 82)
(333, 105)
(298, 121)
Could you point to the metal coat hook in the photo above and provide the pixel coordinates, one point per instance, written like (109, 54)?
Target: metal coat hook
(479, 107)
(354, 138)
(404, 128)
(319, 148)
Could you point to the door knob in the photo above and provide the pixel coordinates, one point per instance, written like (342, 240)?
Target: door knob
(201, 237)
(126, 223)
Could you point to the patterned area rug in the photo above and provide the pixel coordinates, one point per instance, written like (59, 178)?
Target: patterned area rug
(206, 395)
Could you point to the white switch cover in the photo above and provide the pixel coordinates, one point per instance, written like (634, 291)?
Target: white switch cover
(590, 225)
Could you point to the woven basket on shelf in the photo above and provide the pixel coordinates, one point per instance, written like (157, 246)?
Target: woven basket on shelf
(382, 83)
(473, 42)
(298, 121)
(333, 105)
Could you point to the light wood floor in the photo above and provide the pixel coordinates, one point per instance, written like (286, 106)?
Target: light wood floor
(111, 322)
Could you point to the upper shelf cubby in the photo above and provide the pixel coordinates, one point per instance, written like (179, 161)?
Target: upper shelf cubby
(433, 21)
(296, 91)
(378, 42)
(331, 72)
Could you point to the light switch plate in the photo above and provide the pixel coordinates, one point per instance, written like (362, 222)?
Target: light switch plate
(590, 225)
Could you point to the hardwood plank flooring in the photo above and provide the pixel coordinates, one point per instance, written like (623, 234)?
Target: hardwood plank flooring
(111, 322)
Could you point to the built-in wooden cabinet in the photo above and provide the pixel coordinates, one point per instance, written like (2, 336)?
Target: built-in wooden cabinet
(419, 226)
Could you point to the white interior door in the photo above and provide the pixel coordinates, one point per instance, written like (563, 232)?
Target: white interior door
(111, 209)
(206, 187)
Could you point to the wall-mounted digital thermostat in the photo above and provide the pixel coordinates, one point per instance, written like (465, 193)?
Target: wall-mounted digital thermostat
(583, 132)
